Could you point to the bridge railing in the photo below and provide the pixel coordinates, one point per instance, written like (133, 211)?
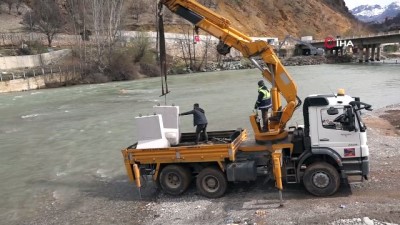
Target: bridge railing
(363, 36)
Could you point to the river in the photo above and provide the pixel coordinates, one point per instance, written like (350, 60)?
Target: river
(58, 144)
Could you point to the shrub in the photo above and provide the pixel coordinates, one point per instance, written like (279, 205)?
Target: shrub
(24, 51)
(122, 67)
(150, 70)
(31, 48)
(140, 51)
(95, 78)
(391, 48)
(178, 66)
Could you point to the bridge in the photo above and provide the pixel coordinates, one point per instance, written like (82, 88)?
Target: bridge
(368, 47)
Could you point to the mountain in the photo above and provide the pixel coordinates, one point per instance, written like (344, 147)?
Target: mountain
(376, 13)
(278, 18)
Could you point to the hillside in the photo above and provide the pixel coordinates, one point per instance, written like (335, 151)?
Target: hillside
(318, 18)
(10, 22)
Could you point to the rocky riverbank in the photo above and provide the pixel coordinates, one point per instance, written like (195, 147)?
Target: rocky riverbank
(245, 64)
(304, 60)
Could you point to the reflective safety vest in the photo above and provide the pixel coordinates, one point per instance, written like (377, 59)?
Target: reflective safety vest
(266, 93)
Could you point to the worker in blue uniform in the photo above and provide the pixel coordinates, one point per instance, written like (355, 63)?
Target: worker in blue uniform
(263, 103)
(199, 121)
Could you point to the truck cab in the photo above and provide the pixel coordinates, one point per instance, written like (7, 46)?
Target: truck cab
(333, 143)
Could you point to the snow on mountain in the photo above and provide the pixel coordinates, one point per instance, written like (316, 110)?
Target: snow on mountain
(376, 13)
(368, 10)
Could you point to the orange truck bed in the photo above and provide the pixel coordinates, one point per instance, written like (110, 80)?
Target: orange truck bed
(222, 146)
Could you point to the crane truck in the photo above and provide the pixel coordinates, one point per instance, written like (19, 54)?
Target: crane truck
(327, 150)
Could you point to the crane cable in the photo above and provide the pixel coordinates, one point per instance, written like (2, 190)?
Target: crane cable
(162, 52)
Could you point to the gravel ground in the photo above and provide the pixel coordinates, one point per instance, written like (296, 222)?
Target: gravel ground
(376, 201)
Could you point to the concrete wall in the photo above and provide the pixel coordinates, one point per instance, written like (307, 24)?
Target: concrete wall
(37, 82)
(19, 62)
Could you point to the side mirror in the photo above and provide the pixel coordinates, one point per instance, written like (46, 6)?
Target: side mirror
(332, 111)
(368, 107)
(351, 123)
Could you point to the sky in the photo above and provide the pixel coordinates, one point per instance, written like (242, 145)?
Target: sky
(354, 3)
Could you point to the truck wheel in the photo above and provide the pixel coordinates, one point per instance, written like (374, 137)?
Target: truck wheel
(175, 179)
(211, 182)
(321, 179)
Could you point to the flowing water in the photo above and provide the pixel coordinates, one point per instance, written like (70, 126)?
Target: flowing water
(56, 143)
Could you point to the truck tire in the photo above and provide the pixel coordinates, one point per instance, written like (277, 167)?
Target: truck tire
(211, 182)
(321, 179)
(175, 179)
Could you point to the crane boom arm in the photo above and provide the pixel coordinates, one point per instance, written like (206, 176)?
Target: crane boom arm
(221, 28)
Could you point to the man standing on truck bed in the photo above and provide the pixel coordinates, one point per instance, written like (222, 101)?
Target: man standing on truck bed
(263, 103)
(199, 120)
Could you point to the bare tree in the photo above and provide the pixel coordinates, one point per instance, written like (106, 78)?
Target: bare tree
(187, 46)
(9, 4)
(18, 5)
(101, 19)
(190, 52)
(141, 46)
(106, 17)
(204, 57)
(138, 7)
(77, 12)
(46, 16)
(28, 21)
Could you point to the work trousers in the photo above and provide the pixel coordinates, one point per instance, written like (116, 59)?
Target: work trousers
(201, 128)
(264, 115)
